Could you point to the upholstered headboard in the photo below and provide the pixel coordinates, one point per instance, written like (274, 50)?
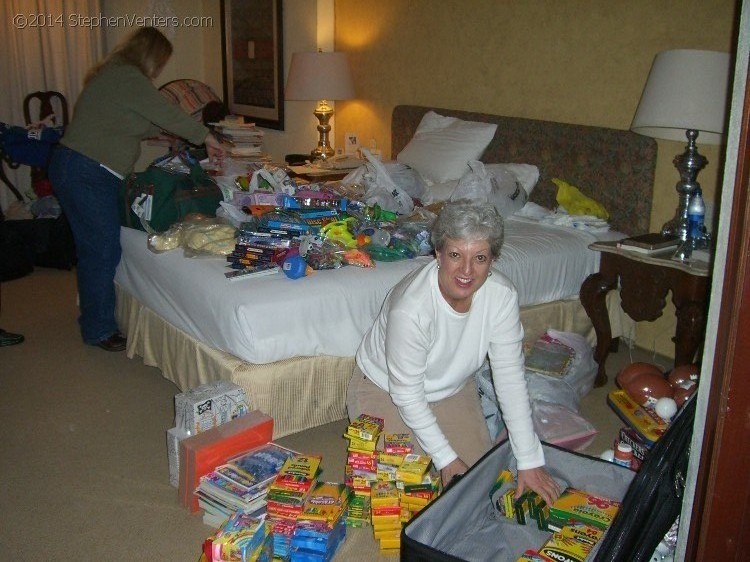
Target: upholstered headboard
(614, 167)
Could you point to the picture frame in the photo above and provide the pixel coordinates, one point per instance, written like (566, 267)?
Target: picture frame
(253, 60)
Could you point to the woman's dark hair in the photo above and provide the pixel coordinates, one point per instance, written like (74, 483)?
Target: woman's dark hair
(465, 220)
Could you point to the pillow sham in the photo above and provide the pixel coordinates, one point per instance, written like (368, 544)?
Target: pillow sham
(442, 146)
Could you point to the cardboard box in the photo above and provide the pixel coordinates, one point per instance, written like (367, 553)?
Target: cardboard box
(201, 453)
(174, 436)
(208, 406)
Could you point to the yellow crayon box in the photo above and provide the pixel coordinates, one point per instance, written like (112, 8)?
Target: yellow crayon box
(560, 547)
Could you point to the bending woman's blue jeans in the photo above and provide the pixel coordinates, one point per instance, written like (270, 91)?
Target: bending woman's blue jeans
(88, 196)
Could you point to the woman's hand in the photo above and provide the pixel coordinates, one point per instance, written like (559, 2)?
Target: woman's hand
(215, 149)
(538, 480)
(455, 468)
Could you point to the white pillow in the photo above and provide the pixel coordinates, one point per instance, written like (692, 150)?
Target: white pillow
(442, 146)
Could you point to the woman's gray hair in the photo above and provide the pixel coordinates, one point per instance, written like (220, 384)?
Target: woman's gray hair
(465, 220)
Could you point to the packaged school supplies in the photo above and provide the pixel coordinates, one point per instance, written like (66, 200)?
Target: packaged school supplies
(200, 454)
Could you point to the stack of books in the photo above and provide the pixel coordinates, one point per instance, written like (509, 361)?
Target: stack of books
(240, 139)
(321, 527)
(361, 468)
(286, 498)
(241, 484)
(651, 243)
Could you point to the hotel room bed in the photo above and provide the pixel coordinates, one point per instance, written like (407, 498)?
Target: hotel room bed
(290, 343)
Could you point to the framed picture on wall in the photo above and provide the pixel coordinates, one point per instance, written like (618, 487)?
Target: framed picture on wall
(253, 60)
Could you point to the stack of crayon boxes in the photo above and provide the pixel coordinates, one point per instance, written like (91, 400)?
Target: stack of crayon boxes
(286, 499)
(361, 466)
(577, 520)
(321, 527)
(406, 484)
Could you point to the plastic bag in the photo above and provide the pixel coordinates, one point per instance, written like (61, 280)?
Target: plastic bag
(199, 237)
(488, 401)
(380, 188)
(561, 426)
(271, 179)
(496, 187)
(576, 203)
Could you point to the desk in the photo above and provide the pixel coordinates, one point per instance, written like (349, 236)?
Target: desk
(644, 282)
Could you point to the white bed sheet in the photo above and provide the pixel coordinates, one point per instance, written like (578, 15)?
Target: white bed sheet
(271, 318)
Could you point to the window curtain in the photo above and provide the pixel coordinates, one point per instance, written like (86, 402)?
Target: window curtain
(43, 51)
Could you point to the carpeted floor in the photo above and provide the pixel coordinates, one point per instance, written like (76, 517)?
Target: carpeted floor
(83, 467)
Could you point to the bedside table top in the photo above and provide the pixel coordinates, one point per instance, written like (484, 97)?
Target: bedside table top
(663, 259)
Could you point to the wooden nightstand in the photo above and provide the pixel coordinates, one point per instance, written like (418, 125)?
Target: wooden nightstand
(644, 282)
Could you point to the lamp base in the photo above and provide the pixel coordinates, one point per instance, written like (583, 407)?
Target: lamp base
(323, 112)
(688, 164)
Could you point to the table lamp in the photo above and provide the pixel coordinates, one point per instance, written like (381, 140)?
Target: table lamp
(320, 77)
(686, 94)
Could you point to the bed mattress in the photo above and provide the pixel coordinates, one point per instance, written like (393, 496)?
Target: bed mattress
(272, 318)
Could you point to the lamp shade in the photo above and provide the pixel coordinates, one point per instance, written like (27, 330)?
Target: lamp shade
(319, 76)
(686, 89)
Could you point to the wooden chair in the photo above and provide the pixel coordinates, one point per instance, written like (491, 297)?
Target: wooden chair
(46, 103)
(43, 105)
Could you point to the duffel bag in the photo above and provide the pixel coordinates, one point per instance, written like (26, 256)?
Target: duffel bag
(158, 197)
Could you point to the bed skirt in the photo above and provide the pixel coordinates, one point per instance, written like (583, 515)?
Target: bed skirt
(301, 392)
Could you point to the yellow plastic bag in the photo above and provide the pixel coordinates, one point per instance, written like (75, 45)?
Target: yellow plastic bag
(570, 198)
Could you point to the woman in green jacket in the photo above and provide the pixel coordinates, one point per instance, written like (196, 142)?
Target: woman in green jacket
(118, 108)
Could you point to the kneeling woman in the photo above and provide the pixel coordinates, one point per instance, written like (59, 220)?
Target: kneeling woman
(414, 367)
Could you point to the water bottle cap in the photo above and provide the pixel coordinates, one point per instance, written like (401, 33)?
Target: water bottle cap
(624, 448)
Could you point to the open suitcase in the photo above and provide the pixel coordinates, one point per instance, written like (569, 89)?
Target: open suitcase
(461, 525)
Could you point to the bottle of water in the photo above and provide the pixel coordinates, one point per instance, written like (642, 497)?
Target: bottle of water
(697, 245)
(696, 216)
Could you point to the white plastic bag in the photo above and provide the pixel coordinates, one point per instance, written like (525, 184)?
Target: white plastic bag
(496, 186)
(379, 187)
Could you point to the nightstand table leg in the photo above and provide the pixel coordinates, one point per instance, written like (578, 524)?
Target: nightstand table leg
(593, 298)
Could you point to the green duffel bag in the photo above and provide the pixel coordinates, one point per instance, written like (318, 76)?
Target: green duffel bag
(171, 195)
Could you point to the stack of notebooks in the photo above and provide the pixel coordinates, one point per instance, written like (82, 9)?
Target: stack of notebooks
(200, 454)
(241, 139)
(321, 527)
(241, 484)
(286, 498)
(651, 243)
